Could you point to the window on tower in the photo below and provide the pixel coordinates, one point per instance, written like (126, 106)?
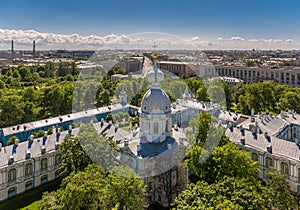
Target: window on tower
(155, 127)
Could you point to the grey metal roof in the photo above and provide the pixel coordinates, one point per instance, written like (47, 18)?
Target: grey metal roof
(55, 120)
(19, 151)
(271, 125)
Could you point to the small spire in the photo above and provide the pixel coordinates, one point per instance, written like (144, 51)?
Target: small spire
(123, 96)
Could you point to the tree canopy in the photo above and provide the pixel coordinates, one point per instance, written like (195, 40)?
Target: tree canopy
(94, 188)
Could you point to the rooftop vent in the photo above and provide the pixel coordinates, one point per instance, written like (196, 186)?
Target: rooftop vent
(43, 150)
(56, 145)
(169, 146)
(11, 159)
(138, 147)
(57, 136)
(269, 148)
(126, 143)
(70, 129)
(243, 141)
(28, 154)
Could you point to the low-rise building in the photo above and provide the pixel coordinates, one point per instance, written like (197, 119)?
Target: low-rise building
(272, 141)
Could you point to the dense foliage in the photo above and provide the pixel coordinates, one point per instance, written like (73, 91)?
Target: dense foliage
(38, 92)
(95, 188)
(89, 186)
(228, 179)
(265, 96)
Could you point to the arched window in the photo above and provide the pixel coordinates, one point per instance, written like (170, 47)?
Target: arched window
(44, 179)
(57, 159)
(29, 169)
(254, 156)
(167, 125)
(28, 185)
(12, 175)
(155, 127)
(269, 162)
(284, 168)
(44, 164)
(11, 192)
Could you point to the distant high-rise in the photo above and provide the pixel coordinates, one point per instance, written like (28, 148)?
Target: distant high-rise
(12, 46)
(33, 50)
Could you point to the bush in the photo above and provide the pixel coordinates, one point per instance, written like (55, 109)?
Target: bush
(135, 120)
(109, 117)
(11, 140)
(61, 128)
(50, 131)
(41, 133)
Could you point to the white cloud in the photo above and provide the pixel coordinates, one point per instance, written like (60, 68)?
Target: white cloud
(237, 38)
(23, 40)
(253, 40)
(267, 40)
(196, 38)
(277, 40)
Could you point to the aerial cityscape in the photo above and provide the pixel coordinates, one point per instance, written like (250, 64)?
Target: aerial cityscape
(149, 105)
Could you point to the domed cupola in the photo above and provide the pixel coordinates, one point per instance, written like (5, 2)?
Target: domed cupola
(155, 101)
(156, 115)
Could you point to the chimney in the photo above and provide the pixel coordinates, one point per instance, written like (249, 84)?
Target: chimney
(33, 49)
(12, 46)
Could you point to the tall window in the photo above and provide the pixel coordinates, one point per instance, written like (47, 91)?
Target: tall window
(298, 174)
(167, 125)
(28, 185)
(44, 164)
(44, 179)
(284, 168)
(11, 192)
(12, 175)
(28, 169)
(269, 162)
(155, 127)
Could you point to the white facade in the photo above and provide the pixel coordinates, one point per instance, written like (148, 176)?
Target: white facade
(253, 74)
(26, 174)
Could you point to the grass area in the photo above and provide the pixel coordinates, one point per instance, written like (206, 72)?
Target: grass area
(125, 125)
(30, 199)
(33, 206)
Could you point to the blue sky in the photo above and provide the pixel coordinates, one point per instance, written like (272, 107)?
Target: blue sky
(208, 20)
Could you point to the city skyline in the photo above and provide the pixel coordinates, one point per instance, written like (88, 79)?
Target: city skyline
(206, 24)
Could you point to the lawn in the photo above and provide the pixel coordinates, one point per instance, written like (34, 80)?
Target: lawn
(30, 199)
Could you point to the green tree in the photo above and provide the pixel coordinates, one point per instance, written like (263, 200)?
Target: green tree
(290, 100)
(228, 193)
(12, 110)
(277, 193)
(94, 188)
(219, 164)
(73, 156)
